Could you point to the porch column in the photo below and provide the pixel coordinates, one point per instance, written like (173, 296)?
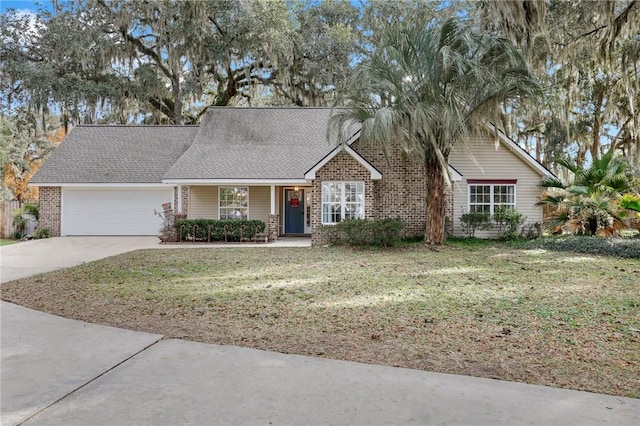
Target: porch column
(179, 207)
(273, 199)
(274, 219)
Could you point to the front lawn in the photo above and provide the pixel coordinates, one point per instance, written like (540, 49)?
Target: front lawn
(498, 311)
(5, 242)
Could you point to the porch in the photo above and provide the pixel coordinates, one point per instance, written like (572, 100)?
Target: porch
(286, 209)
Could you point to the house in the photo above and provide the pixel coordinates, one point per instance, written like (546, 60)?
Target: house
(271, 164)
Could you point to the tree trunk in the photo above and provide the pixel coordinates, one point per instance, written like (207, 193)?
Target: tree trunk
(597, 124)
(177, 106)
(436, 203)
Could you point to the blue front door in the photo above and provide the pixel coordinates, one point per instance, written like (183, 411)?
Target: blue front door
(293, 211)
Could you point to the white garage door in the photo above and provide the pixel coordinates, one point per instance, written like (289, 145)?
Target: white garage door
(122, 211)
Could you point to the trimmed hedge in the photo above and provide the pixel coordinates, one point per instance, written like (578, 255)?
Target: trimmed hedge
(218, 230)
(363, 232)
(616, 247)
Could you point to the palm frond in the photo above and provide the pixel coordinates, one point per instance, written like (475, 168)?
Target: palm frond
(551, 182)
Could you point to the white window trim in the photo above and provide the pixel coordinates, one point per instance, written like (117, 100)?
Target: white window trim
(240, 187)
(342, 184)
(491, 194)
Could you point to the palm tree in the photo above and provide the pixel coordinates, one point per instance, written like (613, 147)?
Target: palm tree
(427, 89)
(594, 203)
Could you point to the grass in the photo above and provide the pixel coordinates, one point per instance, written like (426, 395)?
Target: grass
(490, 310)
(5, 242)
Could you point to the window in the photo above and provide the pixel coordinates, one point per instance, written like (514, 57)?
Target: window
(342, 201)
(233, 203)
(485, 197)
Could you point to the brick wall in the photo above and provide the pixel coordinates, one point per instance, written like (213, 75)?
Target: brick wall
(402, 191)
(51, 209)
(342, 167)
(449, 212)
(400, 194)
(273, 227)
(186, 196)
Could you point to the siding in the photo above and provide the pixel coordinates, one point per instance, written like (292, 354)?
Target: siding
(495, 163)
(259, 203)
(204, 202)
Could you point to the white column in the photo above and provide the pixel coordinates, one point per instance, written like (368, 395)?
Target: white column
(273, 199)
(179, 208)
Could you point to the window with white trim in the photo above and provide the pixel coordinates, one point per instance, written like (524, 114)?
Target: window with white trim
(342, 201)
(486, 197)
(233, 202)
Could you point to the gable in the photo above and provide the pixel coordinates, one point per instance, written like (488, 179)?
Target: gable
(344, 150)
(483, 157)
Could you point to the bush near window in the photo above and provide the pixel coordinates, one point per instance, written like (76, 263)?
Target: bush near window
(363, 232)
(215, 230)
(508, 222)
(475, 221)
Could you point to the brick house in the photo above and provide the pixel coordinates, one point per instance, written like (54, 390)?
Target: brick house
(271, 164)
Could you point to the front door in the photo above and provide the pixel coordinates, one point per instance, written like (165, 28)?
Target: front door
(294, 211)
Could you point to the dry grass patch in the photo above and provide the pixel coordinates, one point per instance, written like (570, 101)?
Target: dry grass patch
(494, 311)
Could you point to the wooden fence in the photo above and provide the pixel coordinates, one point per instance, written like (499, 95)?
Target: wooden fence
(7, 210)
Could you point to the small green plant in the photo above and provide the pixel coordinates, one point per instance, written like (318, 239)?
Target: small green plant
(19, 221)
(475, 221)
(41, 233)
(508, 222)
(32, 209)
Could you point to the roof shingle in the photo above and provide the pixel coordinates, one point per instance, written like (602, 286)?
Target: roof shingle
(255, 143)
(115, 154)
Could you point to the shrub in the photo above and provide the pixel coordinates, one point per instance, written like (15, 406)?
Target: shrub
(19, 221)
(508, 222)
(616, 247)
(218, 230)
(32, 209)
(41, 233)
(363, 232)
(474, 221)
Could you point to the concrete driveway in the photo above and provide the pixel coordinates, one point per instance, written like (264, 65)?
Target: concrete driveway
(56, 371)
(34, 257)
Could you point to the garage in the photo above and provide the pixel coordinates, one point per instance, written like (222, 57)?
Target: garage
(113, 211)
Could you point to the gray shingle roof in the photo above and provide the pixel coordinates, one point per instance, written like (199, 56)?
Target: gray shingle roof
(115, 154)
(255, 143)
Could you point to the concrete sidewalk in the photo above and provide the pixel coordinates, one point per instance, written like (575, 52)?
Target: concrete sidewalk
(55, 371)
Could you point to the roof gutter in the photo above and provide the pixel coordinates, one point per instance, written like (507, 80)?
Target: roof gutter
(252, 182)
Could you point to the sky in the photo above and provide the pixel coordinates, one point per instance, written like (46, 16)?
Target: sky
(23, 4)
